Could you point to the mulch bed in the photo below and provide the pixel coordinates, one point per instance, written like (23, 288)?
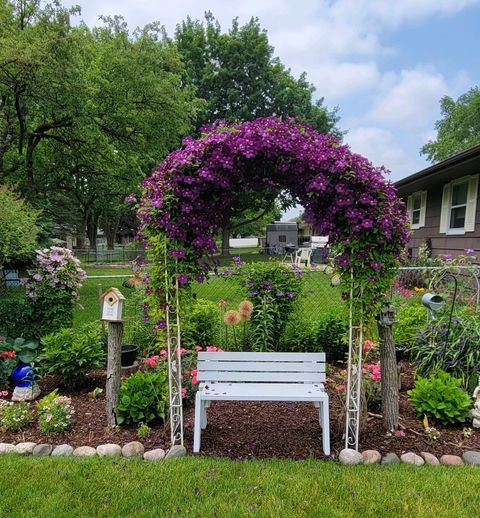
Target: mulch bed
(252, 429)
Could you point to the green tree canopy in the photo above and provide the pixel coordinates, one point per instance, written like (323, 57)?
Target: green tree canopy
(459, 127)
(18, 228)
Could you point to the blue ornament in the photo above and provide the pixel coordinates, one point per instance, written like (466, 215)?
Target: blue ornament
(23, 375)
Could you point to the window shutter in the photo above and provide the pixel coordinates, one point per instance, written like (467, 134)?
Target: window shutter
(409, 209)
(444, 216)
(423, 208)
(471, 204)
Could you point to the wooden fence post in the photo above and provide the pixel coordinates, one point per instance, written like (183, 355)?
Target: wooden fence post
(115, 332)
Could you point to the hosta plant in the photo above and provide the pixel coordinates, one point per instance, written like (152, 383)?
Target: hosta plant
(442, 398)
(143, 397)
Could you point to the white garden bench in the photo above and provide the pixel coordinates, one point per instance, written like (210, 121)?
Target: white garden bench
(239, 376)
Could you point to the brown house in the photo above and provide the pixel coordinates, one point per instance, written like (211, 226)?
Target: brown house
(443, 206)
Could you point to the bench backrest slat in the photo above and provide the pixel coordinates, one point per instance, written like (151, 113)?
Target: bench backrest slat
(261, 367)
(263, 357)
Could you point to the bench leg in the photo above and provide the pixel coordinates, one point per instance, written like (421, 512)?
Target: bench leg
(325, 424)
(204, 414)
(197, 430)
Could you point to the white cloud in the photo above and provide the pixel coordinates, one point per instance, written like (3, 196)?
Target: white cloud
(382, 147)
(410, 100)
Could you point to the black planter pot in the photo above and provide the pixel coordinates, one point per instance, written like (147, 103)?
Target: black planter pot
(129, 355)
(399, 353)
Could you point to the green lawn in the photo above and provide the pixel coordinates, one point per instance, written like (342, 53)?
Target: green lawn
(49, 487)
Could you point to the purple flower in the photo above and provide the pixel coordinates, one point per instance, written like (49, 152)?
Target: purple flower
(238, 261)
(179, 253)
(469, 250)
(253, 293)
(160, 324)
(291, 295)
(200, 278)
(131, 198)
(182, 279)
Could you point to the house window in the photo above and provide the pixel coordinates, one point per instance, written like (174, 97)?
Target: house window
(458, 208)
(416, 206)
(459, 203)
(282, 239)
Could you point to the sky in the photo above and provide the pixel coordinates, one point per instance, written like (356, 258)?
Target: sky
(385, 63)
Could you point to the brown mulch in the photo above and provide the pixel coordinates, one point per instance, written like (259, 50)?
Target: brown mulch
(246, 430)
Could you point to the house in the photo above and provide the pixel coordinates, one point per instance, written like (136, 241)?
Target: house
(443, 207)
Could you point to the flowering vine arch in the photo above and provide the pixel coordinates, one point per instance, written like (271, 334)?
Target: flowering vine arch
(344, 196)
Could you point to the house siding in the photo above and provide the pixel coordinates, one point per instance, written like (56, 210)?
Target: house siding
(443, 243)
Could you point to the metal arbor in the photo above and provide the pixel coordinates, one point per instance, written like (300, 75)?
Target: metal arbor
(172, 320)
(354, 368)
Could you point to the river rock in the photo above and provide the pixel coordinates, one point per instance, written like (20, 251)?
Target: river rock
(430, 459)
(6, 447)
(176, 451)
(109, 450)
(84, 451)
(25, 448)
(451, 460)
(133, 449)
(349, 457)
(62, 450)
(390, 458)
(42, 450)
(371, 457)
(157, 454)
(412, 458)
(471, 457)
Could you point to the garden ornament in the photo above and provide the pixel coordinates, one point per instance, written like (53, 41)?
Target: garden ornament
(476, 407)
(387, 315)
(433, 302)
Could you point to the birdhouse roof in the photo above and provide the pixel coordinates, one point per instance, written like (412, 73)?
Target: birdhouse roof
(112, 295)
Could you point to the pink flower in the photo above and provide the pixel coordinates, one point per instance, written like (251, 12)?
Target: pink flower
(211, 349)
(183, 350)
(152, 361)
(163, 352)
(368, 345)
(198, 348)
(340, 388)
(48, 418)
(194, 380)
(184, 392)
(4, 393)
(399, 433)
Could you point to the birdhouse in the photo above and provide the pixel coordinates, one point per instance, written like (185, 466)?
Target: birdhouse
(112, 305)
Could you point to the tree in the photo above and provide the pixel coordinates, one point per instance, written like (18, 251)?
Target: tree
(18, 227)
(85, 114)
(459, 127)
(240, 79)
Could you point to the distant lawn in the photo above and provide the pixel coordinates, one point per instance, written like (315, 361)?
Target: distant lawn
(202, 487)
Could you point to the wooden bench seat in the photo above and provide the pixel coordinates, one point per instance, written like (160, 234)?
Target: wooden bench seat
(238, 376)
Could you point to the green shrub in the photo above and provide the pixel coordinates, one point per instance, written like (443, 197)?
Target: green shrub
(71, 353)
(300, 335)
(201, 324)
(15, 417)
(142, 335)
(143, 397)
(16, 318)
(54, 413)
(331, 337)
(411, 320)
(441, 396)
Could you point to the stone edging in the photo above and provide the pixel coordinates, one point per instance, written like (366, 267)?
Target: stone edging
(130, 450)
(349, 457)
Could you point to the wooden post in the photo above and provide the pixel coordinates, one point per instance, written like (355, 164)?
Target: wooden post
(388, 365)
(115, 332)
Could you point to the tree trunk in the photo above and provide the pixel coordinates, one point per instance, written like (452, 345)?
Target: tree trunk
(226, 239)
(92, 229)
(115, 332)
(81, 232)
(389, 373)
(110, 228)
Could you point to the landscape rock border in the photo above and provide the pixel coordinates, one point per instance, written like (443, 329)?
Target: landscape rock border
(349, 457)
(130, 450)
(135, 449)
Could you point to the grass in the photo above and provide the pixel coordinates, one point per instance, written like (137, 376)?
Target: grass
(201, 487)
